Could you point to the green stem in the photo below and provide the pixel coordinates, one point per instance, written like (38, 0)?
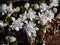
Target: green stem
(8, 41)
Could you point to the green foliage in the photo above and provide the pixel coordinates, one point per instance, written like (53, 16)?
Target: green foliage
(23, 10)
(14, 43)
(42, 1)
(8, 20)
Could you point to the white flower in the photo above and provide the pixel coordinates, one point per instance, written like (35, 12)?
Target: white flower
(30, 28)
(17, 9)
(23, 17)
(54, 10)
(27, 5)
(17, 24)
(54, 3)
(36, 6)
(49, 14)
(42, 19)
(9, 9)
(31, 14)
(12, 39)
(45, 17)
(43, 7)
(4, 9)
(4, 6)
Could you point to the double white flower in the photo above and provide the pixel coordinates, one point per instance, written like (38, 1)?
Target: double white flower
(30, 29)
(17, 24)
(45, 17)
(31, 14)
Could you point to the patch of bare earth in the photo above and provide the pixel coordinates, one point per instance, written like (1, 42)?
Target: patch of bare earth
(52, 36)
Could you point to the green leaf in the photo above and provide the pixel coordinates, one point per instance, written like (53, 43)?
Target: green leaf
(42, 1)
(8, 20)
(14, 43)
(23, 10)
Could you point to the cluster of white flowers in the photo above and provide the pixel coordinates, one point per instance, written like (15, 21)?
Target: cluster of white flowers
(9, 9)
(46, 12)
(26, 20)
(29, 27)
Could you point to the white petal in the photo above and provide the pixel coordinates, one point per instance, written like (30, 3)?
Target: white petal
(13, 19)
(29, 34)
(17, 28)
